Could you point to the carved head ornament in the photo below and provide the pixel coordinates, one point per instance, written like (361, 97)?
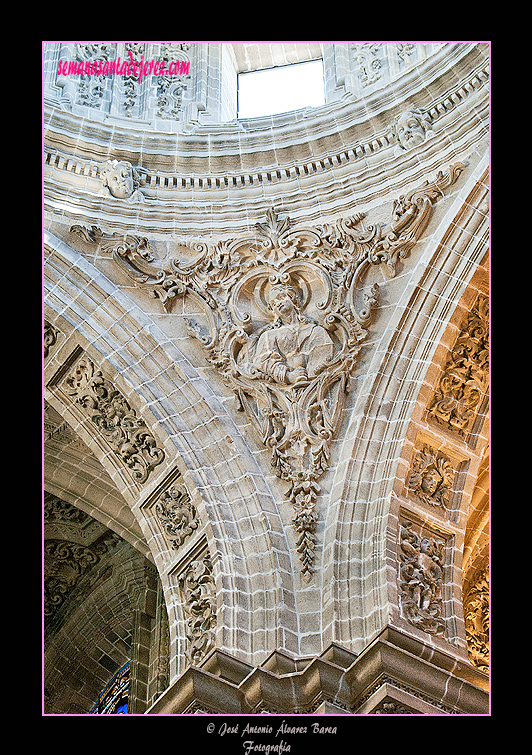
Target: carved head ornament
(411, 128)
(284, 301)
(121, 178)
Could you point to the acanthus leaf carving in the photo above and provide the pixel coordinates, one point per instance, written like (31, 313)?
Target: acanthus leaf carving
(286, 315)
(50, 337)
(199, 600)
(124, 431)
(431, 477)
(177, 514)
(477, 617)
(464, 380)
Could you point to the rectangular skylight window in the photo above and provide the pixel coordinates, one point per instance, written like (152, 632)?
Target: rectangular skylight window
(280, 89)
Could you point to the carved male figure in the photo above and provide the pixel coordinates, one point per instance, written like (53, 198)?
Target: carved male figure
(295, 350)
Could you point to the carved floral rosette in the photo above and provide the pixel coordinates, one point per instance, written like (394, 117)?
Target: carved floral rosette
(286, 312)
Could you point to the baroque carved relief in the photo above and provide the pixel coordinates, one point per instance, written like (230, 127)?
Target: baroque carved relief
(285, 314)
(170, 89)
(50, 337)
(464, 381)
(124, 431)
(121, 180)
(177, 514)
(431, 477)
(135, 51)
(366, 55)
(74, 544)
(477, 617)
(391, 708)
(199, 599)
(65, 563)
(91, 88)
(421, 578)
(411, 128)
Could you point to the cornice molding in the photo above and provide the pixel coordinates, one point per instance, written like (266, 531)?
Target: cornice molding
(289, 685)
(339, 136)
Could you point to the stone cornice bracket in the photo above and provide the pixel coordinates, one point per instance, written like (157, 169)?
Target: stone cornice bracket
(285, 318)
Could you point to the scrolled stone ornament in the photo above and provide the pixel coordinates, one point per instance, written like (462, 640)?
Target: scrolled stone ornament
(286, 313)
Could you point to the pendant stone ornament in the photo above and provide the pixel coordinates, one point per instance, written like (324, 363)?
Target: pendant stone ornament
(285, 318)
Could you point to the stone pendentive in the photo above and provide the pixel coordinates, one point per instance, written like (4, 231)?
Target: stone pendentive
(190, 252)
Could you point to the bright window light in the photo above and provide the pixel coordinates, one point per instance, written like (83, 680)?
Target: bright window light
(280, 89)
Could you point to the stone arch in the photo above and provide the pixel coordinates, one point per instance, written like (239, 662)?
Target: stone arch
(99, 631)
(245, 534)
(362, 527)
(78, 478)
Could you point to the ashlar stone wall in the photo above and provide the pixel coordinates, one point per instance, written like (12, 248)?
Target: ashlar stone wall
(272, 340)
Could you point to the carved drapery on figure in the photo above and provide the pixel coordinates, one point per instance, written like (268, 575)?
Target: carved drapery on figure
(286, 314)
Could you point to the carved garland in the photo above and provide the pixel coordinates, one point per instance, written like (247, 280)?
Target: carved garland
(285, 318)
